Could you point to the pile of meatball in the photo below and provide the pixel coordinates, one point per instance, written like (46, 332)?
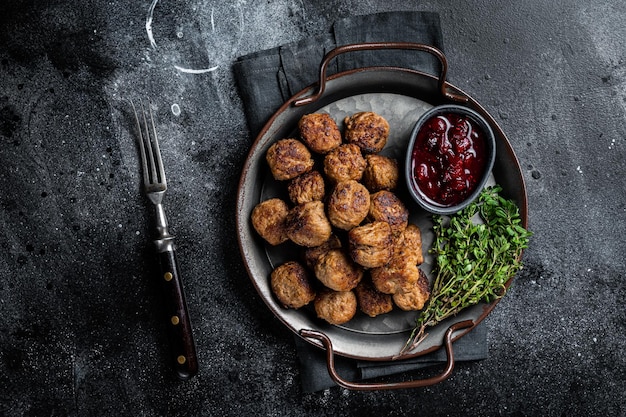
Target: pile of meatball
(358, 249)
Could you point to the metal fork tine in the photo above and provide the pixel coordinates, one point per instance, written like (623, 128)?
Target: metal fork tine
(142, 146)
(152, 169)
(152, 163)
(157, 151)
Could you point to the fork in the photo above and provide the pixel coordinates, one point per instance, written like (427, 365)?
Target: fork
(179, 325)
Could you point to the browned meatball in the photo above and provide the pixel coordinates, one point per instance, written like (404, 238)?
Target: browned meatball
(291, 285)
(307, 225)
(336, 307)
(381, 173)
(306, 187)
(371, 301)
(391, 279)
(288, 158)
(401, 271)
(319, 132)
(312, 255)
(408, 247)
(413, 296)
(371, 245)
(385, 206)
(268, 219)
(336, 271)
(368, 130)
(344, 163)
(348, 204)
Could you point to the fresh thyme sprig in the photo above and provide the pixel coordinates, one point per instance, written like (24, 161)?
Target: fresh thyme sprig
(474, 260)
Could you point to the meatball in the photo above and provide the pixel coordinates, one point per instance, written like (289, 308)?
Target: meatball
(391, 279)
(381, 173)
(336, 307)
(387, 207)
(368, 130)
(371, 245)
(307, 225)
(408, 247)
(413, 296)
(371, 301)
(288, 158)
(319, 132)
(348, 204)
(344, 163)
(312, 255)
(268, 219)
(306, 187)
(401, 271)
(291, 285)
(336, 271)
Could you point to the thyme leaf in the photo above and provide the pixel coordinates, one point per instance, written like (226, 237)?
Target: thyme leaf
(474, 260)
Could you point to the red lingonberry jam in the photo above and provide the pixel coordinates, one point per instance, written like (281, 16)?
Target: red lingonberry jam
(448, 158)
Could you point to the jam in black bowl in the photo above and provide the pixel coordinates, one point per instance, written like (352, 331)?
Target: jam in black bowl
(449, 158)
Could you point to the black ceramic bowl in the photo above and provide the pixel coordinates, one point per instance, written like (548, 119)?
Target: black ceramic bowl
(449, 158)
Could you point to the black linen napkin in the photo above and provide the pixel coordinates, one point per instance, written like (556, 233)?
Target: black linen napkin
(267, 79)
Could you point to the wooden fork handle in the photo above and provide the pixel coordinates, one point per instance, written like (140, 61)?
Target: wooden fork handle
(179, 325)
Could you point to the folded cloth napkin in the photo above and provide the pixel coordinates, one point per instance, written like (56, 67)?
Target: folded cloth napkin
(267, 79)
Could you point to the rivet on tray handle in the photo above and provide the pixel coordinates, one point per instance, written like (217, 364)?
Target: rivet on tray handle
(374, 386)
(381, 45)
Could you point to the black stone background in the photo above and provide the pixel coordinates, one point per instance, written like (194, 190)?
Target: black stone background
(79, 330)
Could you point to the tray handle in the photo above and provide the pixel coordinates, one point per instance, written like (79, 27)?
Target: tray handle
(321, 87)
(373, 386)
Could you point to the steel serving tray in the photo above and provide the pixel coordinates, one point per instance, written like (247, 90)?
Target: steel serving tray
(400, 95)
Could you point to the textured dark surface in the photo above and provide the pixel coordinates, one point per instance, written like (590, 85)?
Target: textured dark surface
(79, 332)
